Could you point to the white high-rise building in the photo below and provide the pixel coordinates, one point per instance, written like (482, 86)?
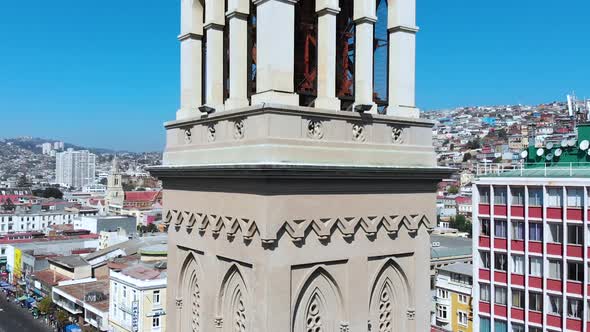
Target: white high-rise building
(75, 168)
(47, 147)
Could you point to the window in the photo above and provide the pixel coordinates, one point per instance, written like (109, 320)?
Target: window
(484, 195)
(462, 318)
(517, 196)
(555, 233)
(485, 227)
(517, 327)
(517, 264)
(461, 279)
(517, 230)
(554, 197)
(443, 293)
(484, 292)
(500, 326)
(463, 299)
(500, 262)
(574, 308)
(575, 234)
(535, 329)
(555, 305)
(535, 232)
(517, 298)
(156, 321)
(124, 292)
(441, 311)
(500, 196)
(500, 296)
(575, 271)
(484, 324)
(500, 229)
(555, 270)
(485, 259)
(157, 297)
(535, 197)
(536, 266)
(2, 251)
(575, 197)
(536, 301)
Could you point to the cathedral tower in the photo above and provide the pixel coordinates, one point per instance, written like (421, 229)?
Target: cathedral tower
(297, 197)
(115, 194)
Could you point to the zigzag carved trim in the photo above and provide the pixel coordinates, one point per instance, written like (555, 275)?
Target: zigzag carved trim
(324, 228)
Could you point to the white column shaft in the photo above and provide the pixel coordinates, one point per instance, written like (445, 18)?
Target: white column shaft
(238, 61)
(327, 61)
(214, 70)
(190, 77)
(275, 35)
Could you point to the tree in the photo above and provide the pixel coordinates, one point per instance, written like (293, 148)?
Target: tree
(49, 193)
(104, 181)
(45, 306)
(62, 318)
(151, 228)
(474, 144)
(461, 223)
(453, 190)
(8, 205)
(467, 156)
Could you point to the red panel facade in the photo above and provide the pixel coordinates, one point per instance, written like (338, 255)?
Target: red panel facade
(517, 245)
(500, 210)
(574, 287)
(484, 307)
(501, 244)
(555, 249)
(484, 241)
(554, 285)
(554, 321)
(575, 214)
(536, 317)
(500, 310)
(536, 212)
(517, 211)
(517, 313)
(484, 274)
(575, 251)
(573, 324)
(535, 282)
(536, 247)
(500, 277)
(554, 213)
(484, 209)
(517, 279)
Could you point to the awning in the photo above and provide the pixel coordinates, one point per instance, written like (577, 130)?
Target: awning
(22, 298)
(38, 292)
(31, 300)
(4, 284)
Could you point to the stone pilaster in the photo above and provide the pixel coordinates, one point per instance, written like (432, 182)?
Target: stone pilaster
(214, 25)
(327, 11)
(191, 36)
(402, 59)
(237, 14)
(275, 39)
(364, 18)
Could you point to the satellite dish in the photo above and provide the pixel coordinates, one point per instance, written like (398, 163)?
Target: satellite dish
(563, 143)
(588, 152)
(571, 142)
(524, 154)
(584, 145)
(558, 152)
(549, 157)
(540, 152)
(550, 145)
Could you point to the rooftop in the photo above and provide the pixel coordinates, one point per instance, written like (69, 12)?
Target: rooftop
(50, 277)
(459, 268)
(79, 291)
(130, 247)
(73, 261)
(447, 246)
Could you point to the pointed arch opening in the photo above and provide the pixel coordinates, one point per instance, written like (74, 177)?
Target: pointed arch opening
(319, 304)
(234, 302)
(390, 299)
(190, 318)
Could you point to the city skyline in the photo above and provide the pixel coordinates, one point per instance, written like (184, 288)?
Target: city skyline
(109, 85)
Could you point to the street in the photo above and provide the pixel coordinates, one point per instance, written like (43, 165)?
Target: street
(14, 318)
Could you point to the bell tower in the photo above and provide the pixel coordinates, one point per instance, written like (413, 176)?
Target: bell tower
(115, 193)
(295, 199)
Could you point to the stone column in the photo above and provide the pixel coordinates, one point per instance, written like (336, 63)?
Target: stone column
(364, 18)
(327, 11)
(191, 36)
(237, 14)
(214, 24)
(402, 58)
(275, 41)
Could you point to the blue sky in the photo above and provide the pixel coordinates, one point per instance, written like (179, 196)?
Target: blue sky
(105, 73)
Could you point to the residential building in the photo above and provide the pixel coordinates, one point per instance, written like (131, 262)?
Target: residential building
(531, 242)
(97, 224)
(75, 168)
(86, 301)
(453, 309)
(34, 220)
(446, 250)
(138, 293)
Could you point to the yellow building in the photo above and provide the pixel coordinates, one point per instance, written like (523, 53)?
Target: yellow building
(454, 310)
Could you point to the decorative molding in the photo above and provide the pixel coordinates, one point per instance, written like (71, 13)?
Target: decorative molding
(411, 313)
(398, 134)
(211, 132)
(239, 129)
(359, 132)
(344, 327)
(179, 303)
(188, 135)
(218, 322)
(315, 129)
(297, 229)
(190, 35)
